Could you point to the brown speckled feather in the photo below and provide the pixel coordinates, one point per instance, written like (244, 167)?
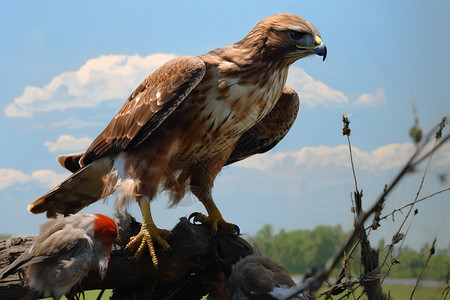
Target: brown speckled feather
(79, 190)
(270, 130)
(147, 107)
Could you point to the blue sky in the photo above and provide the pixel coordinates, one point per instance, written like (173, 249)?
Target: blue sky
(67, 67)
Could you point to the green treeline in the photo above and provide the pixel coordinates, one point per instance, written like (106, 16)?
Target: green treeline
(411, 263)
(297, 250)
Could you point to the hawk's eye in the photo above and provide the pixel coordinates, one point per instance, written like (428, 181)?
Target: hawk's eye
(295, 35)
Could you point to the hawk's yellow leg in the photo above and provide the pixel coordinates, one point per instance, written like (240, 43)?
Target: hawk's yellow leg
(148, 234)
(214, 219)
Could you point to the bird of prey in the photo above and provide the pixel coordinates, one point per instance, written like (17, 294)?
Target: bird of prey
(185, 121)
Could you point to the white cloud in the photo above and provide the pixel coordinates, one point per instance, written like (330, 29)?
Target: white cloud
(45, 178)
(48, 178)
(68, 143)
(100, 79)
(369, 99)
(310, 158)
(311, 91)
(9, 177)
(383, 158)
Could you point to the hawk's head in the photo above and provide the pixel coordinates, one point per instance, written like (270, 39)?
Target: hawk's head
(286, 37)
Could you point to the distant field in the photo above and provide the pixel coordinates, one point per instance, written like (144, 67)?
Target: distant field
(403, 292)
(91, 295)
(397, 291)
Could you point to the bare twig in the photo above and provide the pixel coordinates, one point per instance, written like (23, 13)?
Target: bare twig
(429, 155)
(346, 131)
(446, 290)
(370, 279)
(420, 187)
(414, 202)
(431, 251)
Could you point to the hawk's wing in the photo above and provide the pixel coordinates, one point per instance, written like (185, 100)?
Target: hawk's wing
(270, 130)
(148, 106)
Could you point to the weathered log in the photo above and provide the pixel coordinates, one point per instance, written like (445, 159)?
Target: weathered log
(10, 249)
(190, 270)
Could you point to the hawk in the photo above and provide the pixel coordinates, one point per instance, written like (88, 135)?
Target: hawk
(185, 121)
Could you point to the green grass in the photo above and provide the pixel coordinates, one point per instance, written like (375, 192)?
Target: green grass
(397, 292)
(401, 292)
(90, 295)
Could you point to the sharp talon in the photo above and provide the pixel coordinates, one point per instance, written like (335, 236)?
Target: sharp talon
(237, 229)
(193, 215)
(169, 250)
(133, 261)
(156, 267)
(215, 223)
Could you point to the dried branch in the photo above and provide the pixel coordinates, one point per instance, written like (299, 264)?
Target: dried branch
(370, 279)
(420, 187)
(398, 235)
(412, 203)
(346, 131)
(431, 251)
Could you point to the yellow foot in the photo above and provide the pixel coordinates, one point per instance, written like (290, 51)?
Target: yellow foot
(215, 223)
(148, 234)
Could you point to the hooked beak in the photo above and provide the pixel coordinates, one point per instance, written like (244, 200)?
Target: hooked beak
(321, 51)
(319, 47)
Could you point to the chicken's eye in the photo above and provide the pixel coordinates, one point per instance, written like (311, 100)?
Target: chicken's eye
(113, 235)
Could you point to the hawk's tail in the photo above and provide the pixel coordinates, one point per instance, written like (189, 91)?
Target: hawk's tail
(70, 161)
(82, 188)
